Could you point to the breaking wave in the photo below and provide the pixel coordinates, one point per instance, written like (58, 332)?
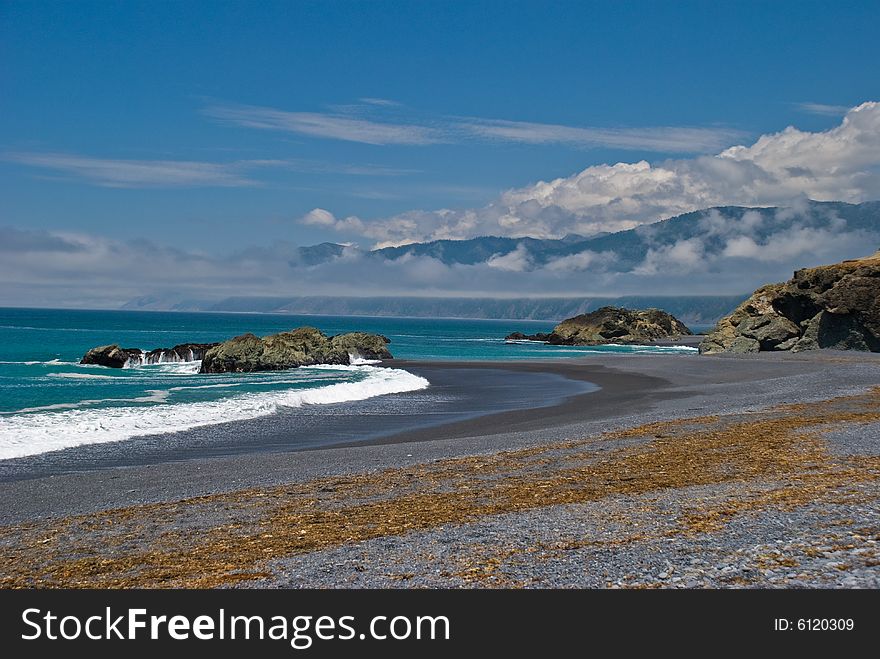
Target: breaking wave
(52, 430)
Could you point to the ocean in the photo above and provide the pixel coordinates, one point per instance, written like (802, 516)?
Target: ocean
(49, 402)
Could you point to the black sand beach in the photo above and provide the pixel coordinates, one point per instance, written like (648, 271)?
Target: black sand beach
(458, 393)
(634, 391)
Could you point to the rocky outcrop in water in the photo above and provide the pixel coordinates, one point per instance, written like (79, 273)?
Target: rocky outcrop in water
(519, 336)
(832, 306)
(112, 356)
(116, 357)
(611, 325)
(304, 346)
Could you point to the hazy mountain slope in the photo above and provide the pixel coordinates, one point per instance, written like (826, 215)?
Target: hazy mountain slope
(713, 227)
(696, 265)
(700, 310)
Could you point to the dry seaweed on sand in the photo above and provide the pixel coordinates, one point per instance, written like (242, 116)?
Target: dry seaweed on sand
(778, 458)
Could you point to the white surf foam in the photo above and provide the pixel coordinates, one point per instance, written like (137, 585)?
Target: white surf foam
(79, 376)
(640, 346)
(51, 362)
(333, 367)
(206, 386)
(31, 434)
(572, 351)
(173, 368)
(180, 368)
(153, 396)
(360, 361)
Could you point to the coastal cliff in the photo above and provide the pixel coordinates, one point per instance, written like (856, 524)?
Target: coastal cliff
(611, 325)
(831, 306)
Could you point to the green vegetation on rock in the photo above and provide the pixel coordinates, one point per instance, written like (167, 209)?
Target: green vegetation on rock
(612, 325)
(304, 346)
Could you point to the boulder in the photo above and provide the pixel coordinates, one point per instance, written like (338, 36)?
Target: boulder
(111, 355)
(190, 352)
(519, 336)
(618, 325)
(360, 345)
(612, 325)
(116, 357)
(831, 306)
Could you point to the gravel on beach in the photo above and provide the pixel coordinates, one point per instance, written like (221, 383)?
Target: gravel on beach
(719, 472)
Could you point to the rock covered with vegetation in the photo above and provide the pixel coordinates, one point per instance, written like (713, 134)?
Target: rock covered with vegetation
(612, 325)
(304, 346)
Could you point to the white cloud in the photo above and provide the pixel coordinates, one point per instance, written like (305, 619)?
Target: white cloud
(581, 261)
(114, 173)
(683, 256)
(516, 261)
(318, 217)
(662, 138)
(381, 102)
(62, 269)
(788, 245)
(727, 254)
(333, 126)
(742, 246)
(716, 254)
(380, 121)
(842, 163)
(319, 167)
(823, 109)
(126, 173)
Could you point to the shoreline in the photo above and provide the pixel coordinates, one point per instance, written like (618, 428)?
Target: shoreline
(725, 471)
(633, 389)
(460, 392)
(636, 389)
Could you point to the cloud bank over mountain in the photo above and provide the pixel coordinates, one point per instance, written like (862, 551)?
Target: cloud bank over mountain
(719, 251)
(739, 219)
(842, 163)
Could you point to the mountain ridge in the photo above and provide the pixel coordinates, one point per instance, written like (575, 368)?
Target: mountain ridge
(630, 246)
(694, 309)
(698, 265)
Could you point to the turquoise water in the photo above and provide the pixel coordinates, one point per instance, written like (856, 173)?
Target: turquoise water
(48, 401)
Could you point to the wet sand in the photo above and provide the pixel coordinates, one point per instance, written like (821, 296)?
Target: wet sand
(457, 394)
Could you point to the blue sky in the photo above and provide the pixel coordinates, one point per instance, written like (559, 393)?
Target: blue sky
(174, 151)
(373, 109)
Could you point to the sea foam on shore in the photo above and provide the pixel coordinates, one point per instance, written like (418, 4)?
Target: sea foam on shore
(42, 431)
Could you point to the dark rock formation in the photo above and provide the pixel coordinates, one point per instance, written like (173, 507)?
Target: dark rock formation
(519, 336)
(304, 346)
(611, 325)
(116, 357)
(617, 325)
(185, 352)
(112, 356)
(832, 306)
(360, 345)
